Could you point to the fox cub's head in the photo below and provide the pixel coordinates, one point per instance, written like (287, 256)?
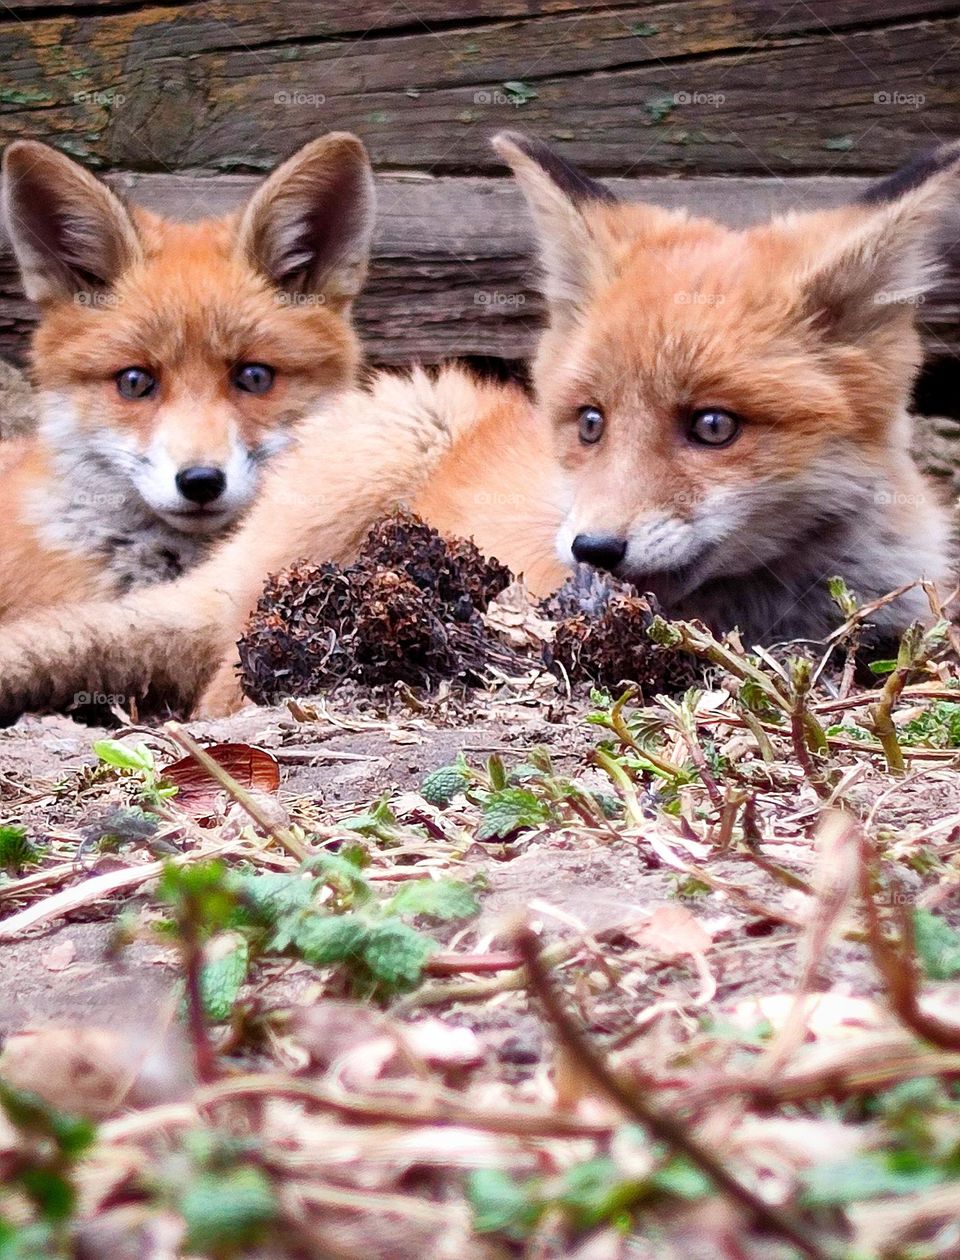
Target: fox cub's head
(721, 397)
(178, 355)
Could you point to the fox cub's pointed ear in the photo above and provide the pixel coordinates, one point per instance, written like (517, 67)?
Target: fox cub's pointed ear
(894, 251)
(308, 228)
(558, 194)
(69, 233)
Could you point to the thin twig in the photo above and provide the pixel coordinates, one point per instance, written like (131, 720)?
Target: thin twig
(664, 1128)
(92, 889)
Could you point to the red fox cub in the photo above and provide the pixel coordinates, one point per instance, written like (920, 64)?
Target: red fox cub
(727, 409)
(720, 417)
(172, 361)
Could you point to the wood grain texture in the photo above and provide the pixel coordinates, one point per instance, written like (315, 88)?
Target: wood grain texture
(693, 85)
(453, 273)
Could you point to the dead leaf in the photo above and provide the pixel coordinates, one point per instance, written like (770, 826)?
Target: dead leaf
(250, 766)
(59, 957)
(513, 615)
(442, 1045)
(94, 1071)
(673, 931)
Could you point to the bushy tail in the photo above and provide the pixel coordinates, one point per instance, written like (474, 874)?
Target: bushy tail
(358, 458)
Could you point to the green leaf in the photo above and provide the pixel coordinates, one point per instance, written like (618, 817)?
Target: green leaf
(227, 1209)
(937, 727)
(222, 978)
(865, 1177)
(510, 810)
(268, 897)
(201, 892)
(51, 1192)
(396, 954)
(441, 786)
(658, 105)
(72, 1134)
(30, 1242)
(343, 873)
(324, 939)
(16, 851)
(500, 1204)
(113, 753)
(644, 29)
(596, 1191)
(497, 772)
(681, 1178)
(442, 899)
(882, 667)
(378, 822)
(938, 945)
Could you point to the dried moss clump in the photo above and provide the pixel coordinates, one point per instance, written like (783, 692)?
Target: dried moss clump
(408, 609)
(601, 637)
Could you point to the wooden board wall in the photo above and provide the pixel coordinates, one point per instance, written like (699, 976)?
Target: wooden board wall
(752, 104)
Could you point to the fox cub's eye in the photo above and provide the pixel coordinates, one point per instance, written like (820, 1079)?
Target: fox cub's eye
(136, 382)
(590, 424)
(253, 378)
(712, 427)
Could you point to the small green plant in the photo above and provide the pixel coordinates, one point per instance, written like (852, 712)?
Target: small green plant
(593, 1193)
(937, 945)
(17, 850)
(327, 915)
(528, 796)
(42, 1167)
(139, 762)
(937, 727)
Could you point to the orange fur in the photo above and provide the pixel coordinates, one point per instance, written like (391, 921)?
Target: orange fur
(802, 329)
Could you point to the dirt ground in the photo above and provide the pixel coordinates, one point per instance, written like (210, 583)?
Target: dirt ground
(684, 932)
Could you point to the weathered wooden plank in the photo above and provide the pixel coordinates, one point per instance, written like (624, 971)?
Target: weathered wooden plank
(452, 272)
(697, 85)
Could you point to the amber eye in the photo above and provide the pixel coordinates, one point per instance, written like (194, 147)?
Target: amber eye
(253, 378)
(712, 427)
(136, 382)
(590, 424)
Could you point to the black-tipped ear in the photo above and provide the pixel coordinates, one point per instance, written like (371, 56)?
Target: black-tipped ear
(309, 226)
(69, 232)
(911, 176)
(560, 198)
(571, 181)
(883, 263)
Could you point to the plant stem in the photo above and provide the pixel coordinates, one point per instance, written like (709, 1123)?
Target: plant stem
(665, 1128)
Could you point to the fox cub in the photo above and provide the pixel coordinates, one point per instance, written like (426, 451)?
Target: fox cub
(172, 362)
(720, 417)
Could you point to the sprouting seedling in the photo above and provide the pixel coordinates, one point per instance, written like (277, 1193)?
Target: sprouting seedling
(139, 761)
(522, 798)
(16, 849)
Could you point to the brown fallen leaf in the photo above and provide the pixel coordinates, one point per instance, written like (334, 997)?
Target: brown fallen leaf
(59, 957)
(94, 1071)
(673, 931)
(250, 766)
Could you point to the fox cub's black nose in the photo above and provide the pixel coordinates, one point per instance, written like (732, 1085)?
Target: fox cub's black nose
(201, 484)
(603, 551)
